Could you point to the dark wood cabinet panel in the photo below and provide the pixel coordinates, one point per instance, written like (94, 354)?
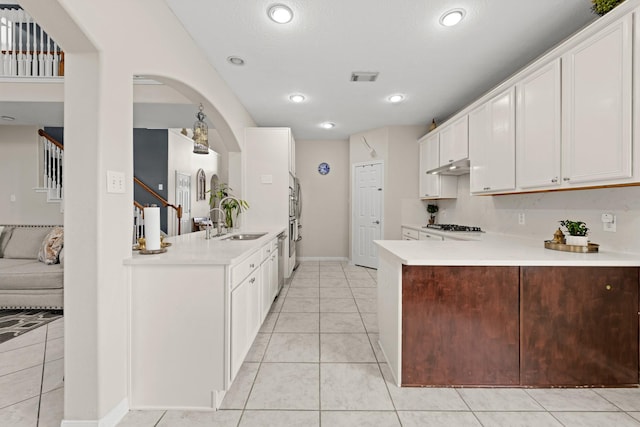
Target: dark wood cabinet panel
(579, 325)
(460, 325)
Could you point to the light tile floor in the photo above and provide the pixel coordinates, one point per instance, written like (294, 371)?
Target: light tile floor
(31, 378)
(316, 362)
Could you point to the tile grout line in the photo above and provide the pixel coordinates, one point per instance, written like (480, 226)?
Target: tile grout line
(44, 358)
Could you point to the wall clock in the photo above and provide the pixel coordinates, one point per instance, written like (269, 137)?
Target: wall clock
(323, 168)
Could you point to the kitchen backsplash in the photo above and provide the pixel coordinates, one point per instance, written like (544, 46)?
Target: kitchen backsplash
(544, 210)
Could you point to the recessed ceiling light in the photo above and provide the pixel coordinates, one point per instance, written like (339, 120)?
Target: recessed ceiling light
(297, 97)
(235, 60)
(394, 99)
(327, 125)
(7, 118)
(452, 17)
(280, 13)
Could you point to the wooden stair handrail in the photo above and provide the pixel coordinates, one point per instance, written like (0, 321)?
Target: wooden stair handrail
(164, 202)
(139, 206)
(51, 139)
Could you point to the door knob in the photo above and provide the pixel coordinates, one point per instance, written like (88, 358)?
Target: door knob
(376, 222)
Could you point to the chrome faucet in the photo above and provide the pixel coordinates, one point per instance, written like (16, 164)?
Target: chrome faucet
(219, 224)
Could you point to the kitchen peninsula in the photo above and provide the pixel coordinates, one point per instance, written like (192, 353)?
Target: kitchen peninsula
(194, 312)
(504, 311)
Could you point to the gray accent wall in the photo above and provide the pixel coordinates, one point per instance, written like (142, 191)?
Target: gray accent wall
(150, 165)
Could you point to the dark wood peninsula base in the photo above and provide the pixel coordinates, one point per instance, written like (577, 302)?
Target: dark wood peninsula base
(513, 326)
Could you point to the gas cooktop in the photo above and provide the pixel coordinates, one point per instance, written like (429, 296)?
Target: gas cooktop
(454, 227)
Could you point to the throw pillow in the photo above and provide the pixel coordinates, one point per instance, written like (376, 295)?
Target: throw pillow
(51, 246)
(25, 242)
(5, 235)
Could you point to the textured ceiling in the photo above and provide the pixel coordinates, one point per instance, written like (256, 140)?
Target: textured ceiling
(438, 69)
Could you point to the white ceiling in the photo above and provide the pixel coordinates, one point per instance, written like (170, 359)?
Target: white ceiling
(439, 70)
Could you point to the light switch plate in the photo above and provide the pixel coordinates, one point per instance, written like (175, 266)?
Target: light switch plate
(115, 182)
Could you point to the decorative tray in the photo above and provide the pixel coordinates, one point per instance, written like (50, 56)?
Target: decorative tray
(592, 247)
(154, 251)
(162, 245)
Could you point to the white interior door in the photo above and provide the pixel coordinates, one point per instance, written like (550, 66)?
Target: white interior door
(183, 197)
(367, 213)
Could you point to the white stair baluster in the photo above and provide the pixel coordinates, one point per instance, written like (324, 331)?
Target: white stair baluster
(41, 61)
(56, 59)
(13, 71)
(49, 58)
(27, 47)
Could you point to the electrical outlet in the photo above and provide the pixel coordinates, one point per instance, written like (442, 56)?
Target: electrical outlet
(160, 187)
(609, 222)
(521, 220)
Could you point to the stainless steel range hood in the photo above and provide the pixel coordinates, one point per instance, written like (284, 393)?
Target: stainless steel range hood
(460, 167)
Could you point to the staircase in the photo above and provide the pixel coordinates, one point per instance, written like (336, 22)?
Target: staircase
(52, 156)
(25, 49)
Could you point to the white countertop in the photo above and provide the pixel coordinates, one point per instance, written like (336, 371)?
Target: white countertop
(500, 250)
(193, 248)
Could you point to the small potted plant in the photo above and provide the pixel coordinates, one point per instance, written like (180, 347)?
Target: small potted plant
(601, 7)
(433, 210)
(577, 232)
(232, 207)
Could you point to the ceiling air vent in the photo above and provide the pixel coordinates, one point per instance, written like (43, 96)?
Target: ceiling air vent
(364, 76)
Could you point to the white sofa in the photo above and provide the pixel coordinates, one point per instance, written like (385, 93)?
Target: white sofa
(26, 282)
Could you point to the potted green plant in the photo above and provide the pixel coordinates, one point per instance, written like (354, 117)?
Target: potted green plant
(577, 232)
(433, 210)
(232, 207)
(600, 7)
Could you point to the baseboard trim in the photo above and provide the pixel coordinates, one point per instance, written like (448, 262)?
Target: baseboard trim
(334, 259)
(111, 419)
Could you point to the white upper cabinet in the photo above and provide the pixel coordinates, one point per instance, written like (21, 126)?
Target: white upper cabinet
(597, 100)
(434, 186)
(454, 141)
(538, 128)
(492, 145)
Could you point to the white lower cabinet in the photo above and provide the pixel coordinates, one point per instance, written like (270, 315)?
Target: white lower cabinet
(410, 234)
(192, 325)
(424, 235)
(245, 319)
(250, 304)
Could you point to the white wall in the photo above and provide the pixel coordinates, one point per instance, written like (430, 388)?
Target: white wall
(325, 199)
(182, 159)
(98, 137)
(544, 210)
(19, 153)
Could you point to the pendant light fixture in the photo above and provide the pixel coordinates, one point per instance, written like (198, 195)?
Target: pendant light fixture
(200, 134)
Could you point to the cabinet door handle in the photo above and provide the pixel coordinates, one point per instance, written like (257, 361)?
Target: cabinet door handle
(451, 161)
(253, 279)
(251, 265)
(487, 188)
(566, 178)
(554, 180)
(608, 287)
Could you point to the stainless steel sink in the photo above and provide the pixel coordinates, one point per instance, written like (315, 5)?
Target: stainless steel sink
(244, 236)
